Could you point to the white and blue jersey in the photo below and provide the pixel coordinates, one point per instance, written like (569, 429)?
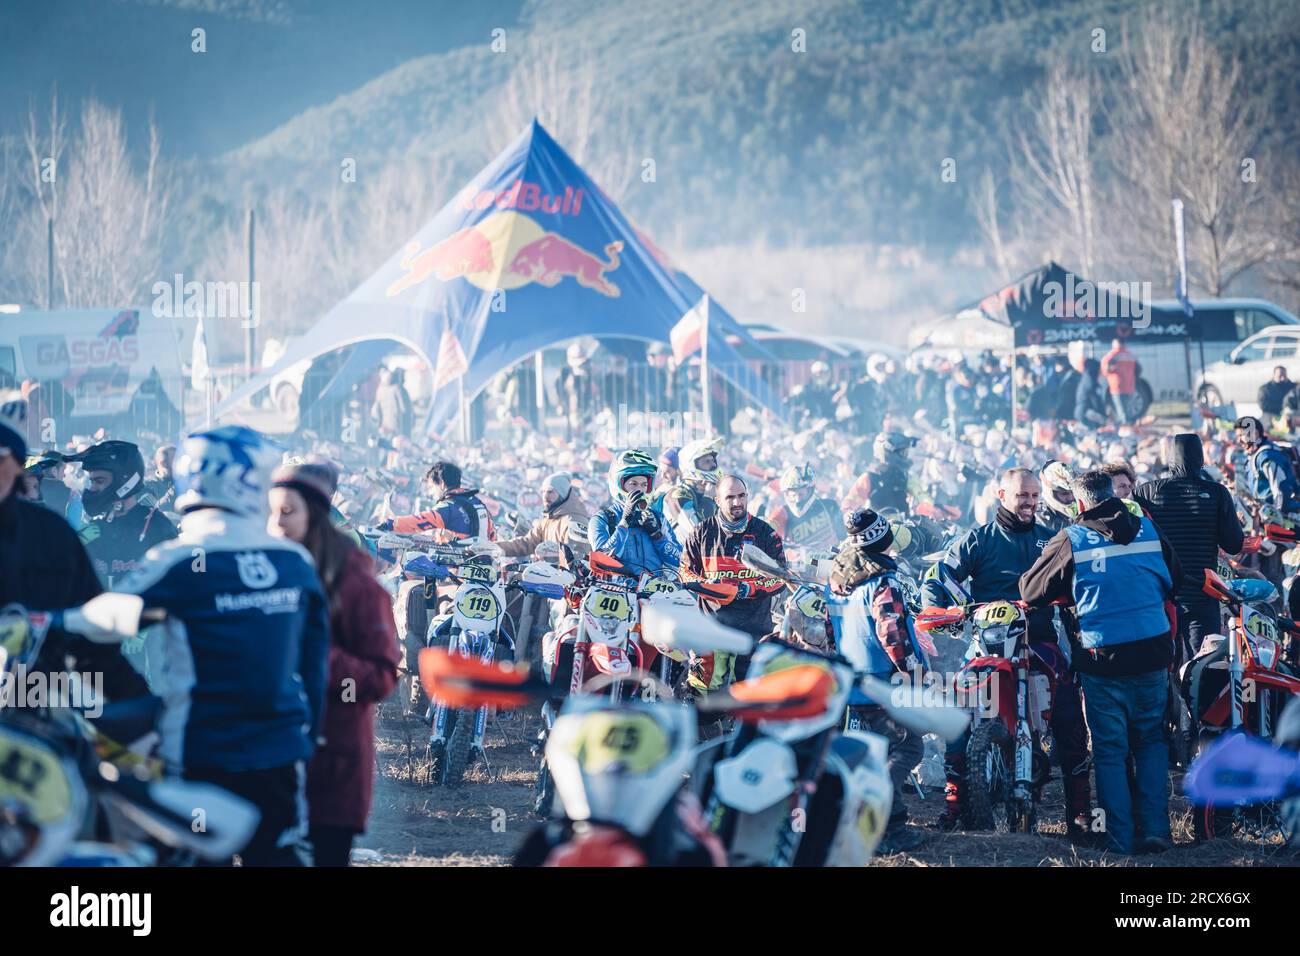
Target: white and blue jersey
(244, 654)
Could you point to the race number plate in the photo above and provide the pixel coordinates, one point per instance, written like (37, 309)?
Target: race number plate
(478, 603)
(634, 741)
(609, 604)
(33, 775)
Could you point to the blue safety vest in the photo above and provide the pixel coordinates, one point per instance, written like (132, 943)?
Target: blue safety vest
(1119, 589)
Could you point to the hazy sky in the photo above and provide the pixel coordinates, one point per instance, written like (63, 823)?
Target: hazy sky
(266, 60)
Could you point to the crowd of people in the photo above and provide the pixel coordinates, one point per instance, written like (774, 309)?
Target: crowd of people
(281, 642)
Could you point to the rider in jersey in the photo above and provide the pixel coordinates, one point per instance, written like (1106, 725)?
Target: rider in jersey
(457, 513)
(125, 521)
(1270, 477)
(245, 647)
(690, 501)
(629, 529)
(874, 631)
(990, 559)
(805, 521)
(883, 486)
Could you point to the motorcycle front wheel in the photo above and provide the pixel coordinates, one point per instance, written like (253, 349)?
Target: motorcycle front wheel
(988, 775)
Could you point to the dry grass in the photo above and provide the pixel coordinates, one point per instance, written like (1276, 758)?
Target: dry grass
(485, 820)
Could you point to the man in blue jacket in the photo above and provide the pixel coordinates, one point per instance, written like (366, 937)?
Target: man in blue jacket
(991, 558)
(246, 643)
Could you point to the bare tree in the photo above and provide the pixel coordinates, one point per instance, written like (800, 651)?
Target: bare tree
(559, 85)
(108, 218)
(1283, 267)
(1056, 167)
(985, 207)
(1185, 126)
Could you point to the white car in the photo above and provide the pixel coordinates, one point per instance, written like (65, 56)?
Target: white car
(1235, 379)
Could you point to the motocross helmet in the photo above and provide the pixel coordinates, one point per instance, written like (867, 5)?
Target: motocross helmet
(42, 462)
(892, 446)
(796, 477)
(690, 456)
(627, 464)
(907, 539)
(1250, 431)
(123, 461)
(1056, 477)
(227, 468)
(820, 372)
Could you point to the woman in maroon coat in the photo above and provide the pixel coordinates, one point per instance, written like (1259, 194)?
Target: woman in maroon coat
(363, 658)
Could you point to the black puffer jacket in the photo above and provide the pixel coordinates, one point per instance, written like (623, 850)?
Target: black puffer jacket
(1194, 514)
(44, 568)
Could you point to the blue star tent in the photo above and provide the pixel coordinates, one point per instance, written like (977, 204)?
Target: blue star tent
(529, 255)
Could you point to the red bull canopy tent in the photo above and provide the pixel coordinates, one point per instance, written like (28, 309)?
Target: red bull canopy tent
(529, 255)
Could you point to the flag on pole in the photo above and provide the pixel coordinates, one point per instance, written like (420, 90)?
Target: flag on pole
(199, 370)
(687, 336)
(452, 363)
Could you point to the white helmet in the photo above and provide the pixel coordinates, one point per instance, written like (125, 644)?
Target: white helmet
(797, 476)
(1056, 477)
(228, 468)
(692, 452)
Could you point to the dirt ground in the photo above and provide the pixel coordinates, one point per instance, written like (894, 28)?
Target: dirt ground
(482, 822)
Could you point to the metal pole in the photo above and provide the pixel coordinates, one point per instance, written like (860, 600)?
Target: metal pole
(250, 332)
(1015, 388)
(704, 367)
(464, 410)
(49, 264)
(540, 388)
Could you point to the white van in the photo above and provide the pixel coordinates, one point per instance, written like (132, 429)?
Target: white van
(99, 357)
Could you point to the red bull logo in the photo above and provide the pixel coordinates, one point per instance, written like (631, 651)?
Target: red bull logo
(524, 196)
(508, 250)
(549, 259)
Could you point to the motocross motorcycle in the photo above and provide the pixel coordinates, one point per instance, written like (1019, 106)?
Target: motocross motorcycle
(600, 645)
(619, 766)
(78, 783)
(1009, 689)
(1239, 683)
(1180, 726)
(472, 623)
(1242, 771)
(798, 791)
(812, 790)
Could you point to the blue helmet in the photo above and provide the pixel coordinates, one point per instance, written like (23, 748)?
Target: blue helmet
(228, 468)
